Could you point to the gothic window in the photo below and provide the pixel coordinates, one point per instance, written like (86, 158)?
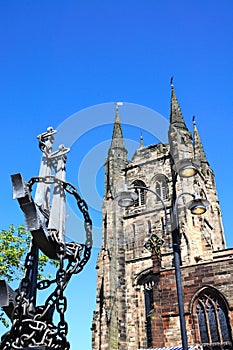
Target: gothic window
(161, 186)
(149, 300)
(140, 192)
(213, 323)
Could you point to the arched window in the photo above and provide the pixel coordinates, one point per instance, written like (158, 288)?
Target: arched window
(213, 323)
(140, 192)
(149, 306)
(149, 281)
(161, 186)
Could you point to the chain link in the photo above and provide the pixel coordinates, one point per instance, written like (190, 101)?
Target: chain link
(71, 189)
(61, 301)
(38, 330)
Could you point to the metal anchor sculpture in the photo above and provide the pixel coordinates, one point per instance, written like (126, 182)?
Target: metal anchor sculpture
(32, 325)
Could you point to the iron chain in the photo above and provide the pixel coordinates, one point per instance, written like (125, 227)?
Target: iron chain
(82, 207)
(61, 301)
(37, 329)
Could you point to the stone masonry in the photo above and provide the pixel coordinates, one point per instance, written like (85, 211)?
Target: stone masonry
(136, 299)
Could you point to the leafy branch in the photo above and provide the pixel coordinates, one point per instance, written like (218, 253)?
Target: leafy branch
(14, 245)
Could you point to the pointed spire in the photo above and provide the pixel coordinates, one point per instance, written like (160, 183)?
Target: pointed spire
(117, 156)
(180, 138)
(176, 117)
(117, 135)
(117, 131)
(199, 153)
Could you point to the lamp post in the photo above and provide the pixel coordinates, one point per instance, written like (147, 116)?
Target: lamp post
(197, 206)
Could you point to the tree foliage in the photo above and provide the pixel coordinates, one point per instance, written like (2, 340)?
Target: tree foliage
(14, 246)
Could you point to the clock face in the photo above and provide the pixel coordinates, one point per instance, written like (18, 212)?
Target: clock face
(154, 243)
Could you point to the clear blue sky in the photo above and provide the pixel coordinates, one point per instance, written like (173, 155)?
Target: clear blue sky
(59, 57)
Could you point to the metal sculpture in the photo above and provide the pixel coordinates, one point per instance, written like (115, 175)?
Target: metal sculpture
(32, 325)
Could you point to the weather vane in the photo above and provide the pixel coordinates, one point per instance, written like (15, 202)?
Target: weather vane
(32, 325)
(171, 81)
(117, 104)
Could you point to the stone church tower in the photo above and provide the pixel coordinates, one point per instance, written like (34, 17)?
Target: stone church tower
(137, 305)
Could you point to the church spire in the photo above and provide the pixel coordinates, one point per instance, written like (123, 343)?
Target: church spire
(180, 138)
(176, 117)
(117, 156)
(117, 135)
(199, 153)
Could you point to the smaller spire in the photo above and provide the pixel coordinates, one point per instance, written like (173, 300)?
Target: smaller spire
(199, 153)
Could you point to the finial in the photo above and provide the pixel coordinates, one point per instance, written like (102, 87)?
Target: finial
(118, 104)
(141, 140)
(171, 82)
(194, 121)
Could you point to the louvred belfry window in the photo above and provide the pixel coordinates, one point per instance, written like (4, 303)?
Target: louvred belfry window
(140, 192)
(161, 186)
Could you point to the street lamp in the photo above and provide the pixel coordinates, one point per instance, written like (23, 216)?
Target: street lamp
(127, 198)
(197, 206)
(186, 167)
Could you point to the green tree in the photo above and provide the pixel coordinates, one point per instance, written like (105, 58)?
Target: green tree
(14, 245)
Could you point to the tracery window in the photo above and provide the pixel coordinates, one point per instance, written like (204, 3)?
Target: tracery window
(140, 192)
(213, 322)
(161, 186)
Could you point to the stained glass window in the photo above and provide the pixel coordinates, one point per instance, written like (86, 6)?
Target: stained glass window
(214, 327)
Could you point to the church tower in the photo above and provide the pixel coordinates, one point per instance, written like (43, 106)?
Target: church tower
(136, 300)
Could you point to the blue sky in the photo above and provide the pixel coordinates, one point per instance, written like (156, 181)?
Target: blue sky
(60, 57)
